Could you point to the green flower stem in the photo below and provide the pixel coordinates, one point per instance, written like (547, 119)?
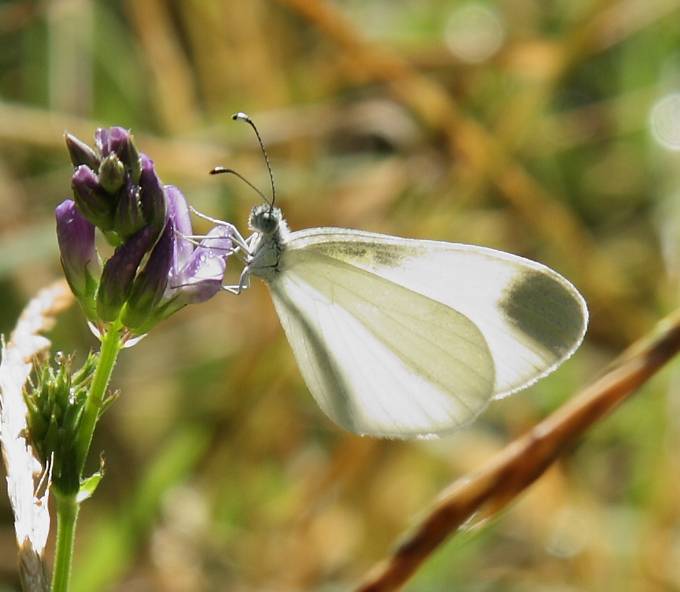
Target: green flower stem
(67, 503)
(108, 354)
(67, 514)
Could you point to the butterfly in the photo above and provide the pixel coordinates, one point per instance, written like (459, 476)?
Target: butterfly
(403, 338)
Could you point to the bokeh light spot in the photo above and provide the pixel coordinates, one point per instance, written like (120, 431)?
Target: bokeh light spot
(474, 32)
(665, 121)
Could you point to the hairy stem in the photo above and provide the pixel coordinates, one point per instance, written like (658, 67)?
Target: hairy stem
(67, 514)
(108, 354)
(67, 502)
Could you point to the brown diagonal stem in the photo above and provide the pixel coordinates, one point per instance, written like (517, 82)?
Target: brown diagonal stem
(520, 463)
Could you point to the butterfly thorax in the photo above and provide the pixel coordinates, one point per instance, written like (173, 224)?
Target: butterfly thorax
(270, 231)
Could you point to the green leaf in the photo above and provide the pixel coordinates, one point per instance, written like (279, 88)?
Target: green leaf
(89, 485)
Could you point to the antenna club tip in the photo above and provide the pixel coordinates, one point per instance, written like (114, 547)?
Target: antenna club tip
(220, 169)
(240, 116)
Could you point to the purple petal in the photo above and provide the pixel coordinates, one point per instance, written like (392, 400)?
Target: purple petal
(151, 282)
(75, 235)
(91, 199)
(178, 213)
(111, 139)
(128, 217)
(101, 140)
(202, 277)
(152, 194)
(80, 152)
(118, 141)
(119, 138)
(119, 273)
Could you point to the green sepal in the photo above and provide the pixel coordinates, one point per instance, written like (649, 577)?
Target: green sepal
(89, 485)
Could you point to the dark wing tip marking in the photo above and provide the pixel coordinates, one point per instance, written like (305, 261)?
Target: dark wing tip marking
(546, 310)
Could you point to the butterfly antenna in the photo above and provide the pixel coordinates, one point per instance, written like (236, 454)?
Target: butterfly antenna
(244, 117)
(218, 170)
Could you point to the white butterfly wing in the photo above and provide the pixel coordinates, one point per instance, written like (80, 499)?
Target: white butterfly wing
(530, 317)
(379, 358)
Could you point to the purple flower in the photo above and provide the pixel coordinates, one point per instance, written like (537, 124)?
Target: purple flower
(152, 196)
(115, 187)
(177, 273)
(75, 235)
(119, 274)
(154, 270)
(129, 217)
(119, 141)
(151, 283)
(92, 200)
(80, 152)
(201, 277)
(178, 212)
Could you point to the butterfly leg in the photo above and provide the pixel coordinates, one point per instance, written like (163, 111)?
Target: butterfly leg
(216, 221)
(197, 240)
(235, 234)
(242, 243)
(243, 283)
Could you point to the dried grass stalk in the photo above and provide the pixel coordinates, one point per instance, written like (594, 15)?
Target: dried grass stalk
(519, 464)
(27, 485)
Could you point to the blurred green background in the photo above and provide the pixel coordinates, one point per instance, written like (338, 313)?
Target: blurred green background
(548, 129)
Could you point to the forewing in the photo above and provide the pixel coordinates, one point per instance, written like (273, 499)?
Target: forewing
(380, 359)
(531, 318)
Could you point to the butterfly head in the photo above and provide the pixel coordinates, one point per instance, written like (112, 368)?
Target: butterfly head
(265, 219)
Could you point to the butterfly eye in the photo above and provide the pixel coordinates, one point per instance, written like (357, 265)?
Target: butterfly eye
(269, 222)
(264, 219)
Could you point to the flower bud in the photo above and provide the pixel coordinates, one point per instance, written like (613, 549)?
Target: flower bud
(150, 284)
(129, 218)
(75, 235)
(119, 273)
(152, 195)
(111, 173)
(118, 140)
(93, 203)
(81, 153)
(110, 139)
(132, 160)
(176, 273)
